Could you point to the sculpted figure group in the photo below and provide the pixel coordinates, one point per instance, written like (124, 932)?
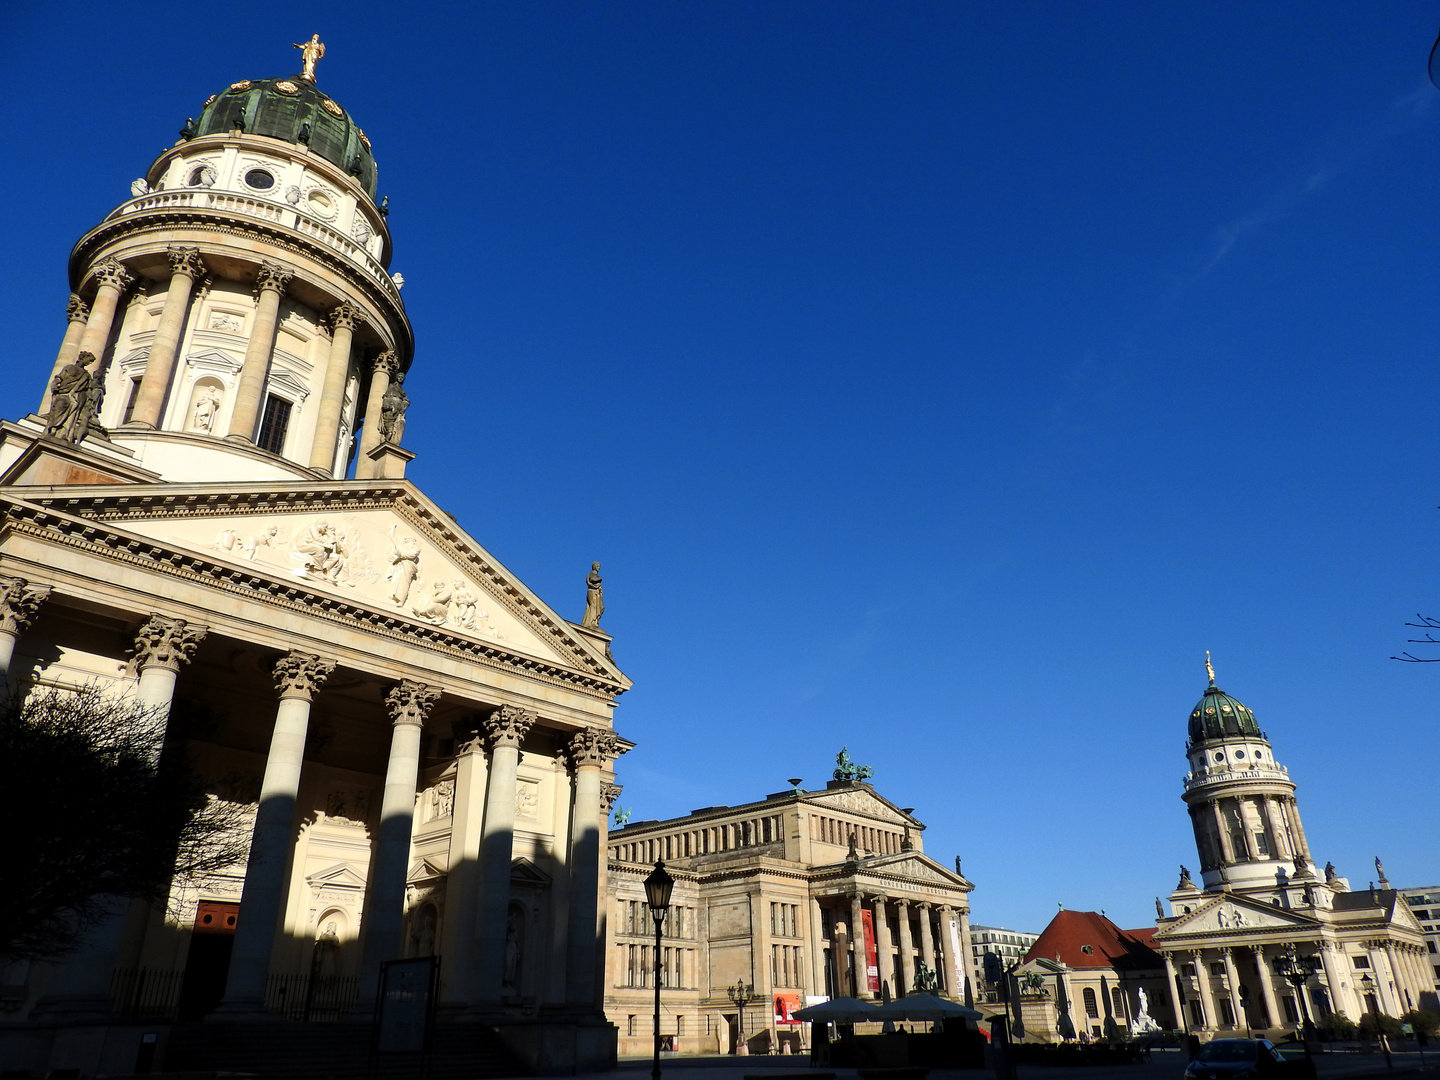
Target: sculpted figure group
(75, 396)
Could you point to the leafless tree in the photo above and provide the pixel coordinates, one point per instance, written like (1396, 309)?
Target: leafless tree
(1428, 624)
(96, 805)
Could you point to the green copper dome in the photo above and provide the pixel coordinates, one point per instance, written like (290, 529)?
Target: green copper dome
(295, 111)
(1218, 715)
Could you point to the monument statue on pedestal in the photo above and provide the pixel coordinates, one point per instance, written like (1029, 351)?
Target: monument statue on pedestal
(594, 598)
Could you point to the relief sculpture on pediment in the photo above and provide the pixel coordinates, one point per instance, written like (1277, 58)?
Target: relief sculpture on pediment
(860, 803)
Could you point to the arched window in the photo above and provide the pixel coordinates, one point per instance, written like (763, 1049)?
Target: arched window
(1117, 1002)
(1092, 1006)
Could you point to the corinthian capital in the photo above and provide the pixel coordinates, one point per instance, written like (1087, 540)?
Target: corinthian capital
(387, 362)
(507, 726)
(19, 600)
(273, 277)
(346, 316)
(411, 702)
(594, 747)
(185, 260)
(300, 675)
(112, 272)
(608, 794)
(76, 310)
(169, 643)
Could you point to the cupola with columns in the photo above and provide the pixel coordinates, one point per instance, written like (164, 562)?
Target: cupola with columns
(239, 304)
(1242, 801)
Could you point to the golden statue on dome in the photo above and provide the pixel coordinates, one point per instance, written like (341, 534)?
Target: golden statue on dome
(312, 51)
(1209, 667)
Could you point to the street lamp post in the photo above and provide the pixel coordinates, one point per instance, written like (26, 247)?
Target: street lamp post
(741, 994)
(1297, 970)
(658, 887)
(1368, 985)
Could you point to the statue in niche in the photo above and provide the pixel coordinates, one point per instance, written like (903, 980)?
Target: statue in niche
(392, 410)
(327, 947)
(462, 605)
(512, 950)
(404, 565)
(425, 931)
(434, 608)
(594, 598)
(442, 799)
(206, 403)
(73, 401)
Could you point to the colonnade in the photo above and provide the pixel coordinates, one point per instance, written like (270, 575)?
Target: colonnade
(924, 938)
(164, 645)
(1397, 971)
(89, 328)
(1227, 830)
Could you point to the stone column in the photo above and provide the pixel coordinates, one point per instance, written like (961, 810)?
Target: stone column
(952, 981)
(1202, 980)
(907, 950)
(884, 948)
(927, 935)
(298, 677)
(857, 946)
(1341, 997)
(409, 704)
(382, 369)
(19, 601)
(76, 312)
(324, 450)
(187, 267)
(1279, 836)
(462, 885)
(1292, 809)
(162, 646)
(112, 279)
(1267, 988)
(609, 794)
(1232, 977)
(503, 732)
(817, 946)
(589, 750)
(967, 957)
(1222, 836)
(1181, 1020)
(270, 283)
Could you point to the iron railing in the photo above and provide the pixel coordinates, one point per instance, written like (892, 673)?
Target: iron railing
(147, 992)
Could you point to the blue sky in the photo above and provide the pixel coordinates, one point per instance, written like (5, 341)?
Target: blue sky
(936, 379)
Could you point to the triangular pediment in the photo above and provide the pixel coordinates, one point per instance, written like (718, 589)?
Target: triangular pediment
(913, 866)
(525, 872)
(377, 544)
(337, 876)
(1233, 915)
(427, 868)
(861, 800)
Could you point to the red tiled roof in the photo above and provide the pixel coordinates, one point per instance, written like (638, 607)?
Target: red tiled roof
(1070, 932)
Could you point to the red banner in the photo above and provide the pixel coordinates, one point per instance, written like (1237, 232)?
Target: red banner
(872, 962)
(786, 1006)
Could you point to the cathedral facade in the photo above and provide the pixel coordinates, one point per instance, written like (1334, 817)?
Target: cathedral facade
(1265, 940)
(208, 513)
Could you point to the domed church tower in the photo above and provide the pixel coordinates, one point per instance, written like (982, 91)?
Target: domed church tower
(416, 751)
(1242, 801)
(239, 304)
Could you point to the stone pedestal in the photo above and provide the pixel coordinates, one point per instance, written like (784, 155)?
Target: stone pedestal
(386, 462)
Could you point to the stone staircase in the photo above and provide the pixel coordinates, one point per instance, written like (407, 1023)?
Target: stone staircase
(281, 1051)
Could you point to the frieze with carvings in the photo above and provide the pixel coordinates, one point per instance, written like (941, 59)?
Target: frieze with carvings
(527, 800)
(859, 802)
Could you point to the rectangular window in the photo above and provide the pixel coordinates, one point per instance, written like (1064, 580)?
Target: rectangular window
(1217, 967)
(1197, 1014)
(1430, 946)
(679, 1026)
(1227, 1014)
(130, 401)
(1262, 845)
(1292, 1013)
(1187, 969)
(630, 1025)
(274, 424)
(1360, 963)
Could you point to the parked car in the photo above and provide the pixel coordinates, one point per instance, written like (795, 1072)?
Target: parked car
(1247, 1059)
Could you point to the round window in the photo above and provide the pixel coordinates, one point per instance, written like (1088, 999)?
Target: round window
(1239, 753)
(260, 180)
(320, 202)
(1219, 757)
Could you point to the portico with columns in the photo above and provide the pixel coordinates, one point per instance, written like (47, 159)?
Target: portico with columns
(419, 747)
(770, 894)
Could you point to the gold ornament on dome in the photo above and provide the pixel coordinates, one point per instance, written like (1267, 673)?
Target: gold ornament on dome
(243, 84)
(287, 87)
(332, 108)
(209, 101)
(311, 51)
(363, 139)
